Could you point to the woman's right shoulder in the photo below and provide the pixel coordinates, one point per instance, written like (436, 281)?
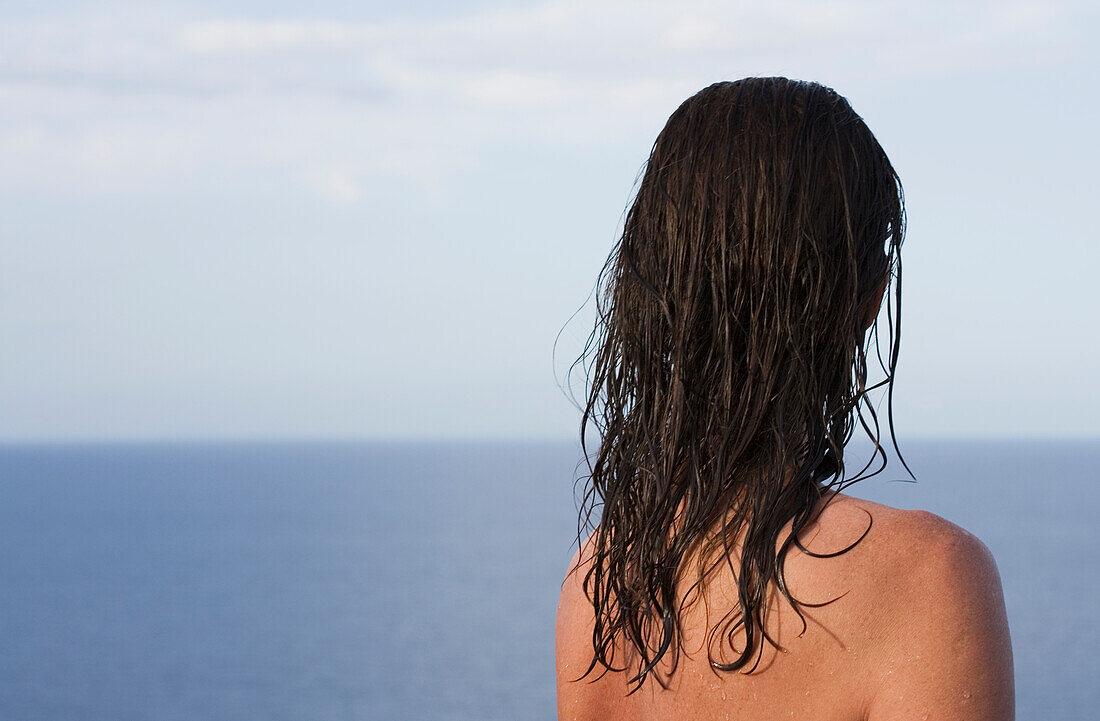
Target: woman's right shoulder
(933, 597)
(908, 562)
(911, 544)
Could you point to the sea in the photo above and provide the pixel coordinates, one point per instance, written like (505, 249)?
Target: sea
(418, 580)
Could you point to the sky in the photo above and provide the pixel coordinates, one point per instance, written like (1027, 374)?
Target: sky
(250, 219)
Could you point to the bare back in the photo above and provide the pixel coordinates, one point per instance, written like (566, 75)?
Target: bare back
(917, 627)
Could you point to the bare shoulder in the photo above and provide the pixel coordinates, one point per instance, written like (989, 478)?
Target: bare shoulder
(573, 642)
(918, 626)
(572, 588)
(912, 564)
(572, 602)
(911, 544)
(941, 643)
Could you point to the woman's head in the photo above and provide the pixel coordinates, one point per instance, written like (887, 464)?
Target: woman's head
(729, 363)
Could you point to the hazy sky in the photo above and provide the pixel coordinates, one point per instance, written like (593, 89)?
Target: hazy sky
(258, 219)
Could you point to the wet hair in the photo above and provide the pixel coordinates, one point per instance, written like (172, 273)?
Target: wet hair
(728, 368)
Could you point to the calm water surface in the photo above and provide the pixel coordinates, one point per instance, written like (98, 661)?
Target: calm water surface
(415, 581)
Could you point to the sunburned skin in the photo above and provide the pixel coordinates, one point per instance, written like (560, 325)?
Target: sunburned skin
(917, 630)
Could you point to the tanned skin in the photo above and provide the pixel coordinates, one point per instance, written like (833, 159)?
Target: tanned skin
(918, 631)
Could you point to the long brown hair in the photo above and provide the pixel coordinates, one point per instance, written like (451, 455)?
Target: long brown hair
(729, 363)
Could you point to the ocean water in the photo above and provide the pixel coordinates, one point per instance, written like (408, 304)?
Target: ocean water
(415, 580)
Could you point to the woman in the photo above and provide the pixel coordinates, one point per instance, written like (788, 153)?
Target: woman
(728, 577)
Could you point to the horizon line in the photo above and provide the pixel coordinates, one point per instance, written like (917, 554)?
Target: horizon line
(335, 439)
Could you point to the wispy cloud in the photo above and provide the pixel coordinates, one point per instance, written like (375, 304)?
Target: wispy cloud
(260, 223)
(137, 88)
(572, 44)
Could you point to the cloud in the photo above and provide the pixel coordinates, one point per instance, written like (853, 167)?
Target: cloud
(337, 185)
(207, 208)
(243, 36)
(172, 89)
(566, 43)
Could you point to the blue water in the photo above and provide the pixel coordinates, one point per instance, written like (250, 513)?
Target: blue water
(414, 581)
